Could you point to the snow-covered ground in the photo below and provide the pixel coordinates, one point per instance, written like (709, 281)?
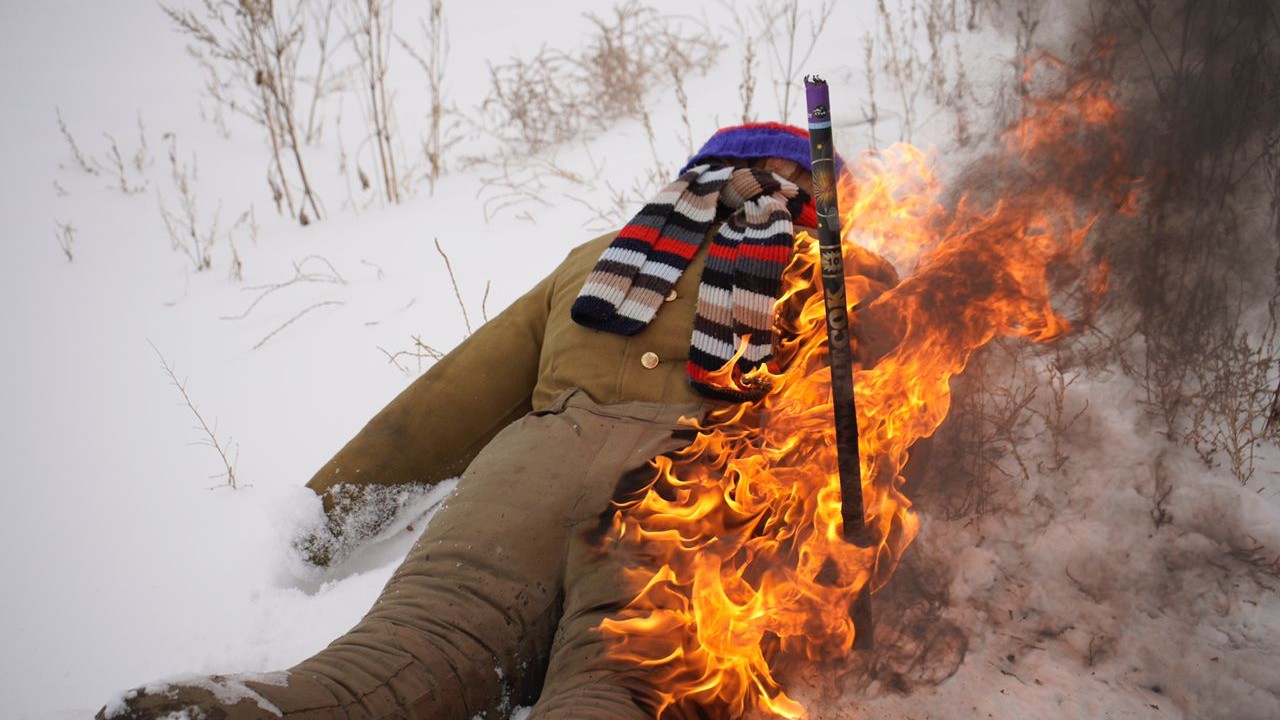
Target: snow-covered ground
(119, 564)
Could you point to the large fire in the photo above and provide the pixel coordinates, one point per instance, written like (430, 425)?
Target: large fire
(736, 545)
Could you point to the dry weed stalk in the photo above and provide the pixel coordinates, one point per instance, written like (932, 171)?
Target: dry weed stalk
(1053, 412)
(183, 227)
(1162, 488)
(249, 220)
(76, 154)
(300, 275)
(523, 180)
(1258, 560)
(622, 202)
(434, 60)
(900, 65)
(682, 99)
(368, 24)
(120, 168)
(869, 47)
(66, 235)
(911, 37)
(743, 28)
(209, 434)
(116, 163)
(257, 43)
(457, 293)
(323, 82)
(295, 318)
(747, 87)
(780, 28)
(419, 352)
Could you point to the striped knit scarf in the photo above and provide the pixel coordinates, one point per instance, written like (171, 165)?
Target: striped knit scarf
(741, 280)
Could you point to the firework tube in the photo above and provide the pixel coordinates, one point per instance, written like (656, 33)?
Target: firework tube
(822, 152)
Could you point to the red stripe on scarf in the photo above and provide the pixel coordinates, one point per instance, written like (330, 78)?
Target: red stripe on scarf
(780, 254)
(721, 251)
(676, 247)
(639, 232)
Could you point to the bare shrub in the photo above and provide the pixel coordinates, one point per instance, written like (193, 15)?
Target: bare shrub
(915, 49)
(1204, 105)
(974, 460)
(1229, 399)
(534, 105)
(1194, 297)
(1054, 413)
(557, 95)
(257, 44)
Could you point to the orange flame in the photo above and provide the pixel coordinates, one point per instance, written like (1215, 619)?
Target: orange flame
(736, 544)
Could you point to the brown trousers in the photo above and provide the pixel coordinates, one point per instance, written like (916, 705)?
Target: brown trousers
(495, 605)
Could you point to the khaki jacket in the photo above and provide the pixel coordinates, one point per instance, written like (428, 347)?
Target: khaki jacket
(521, 361)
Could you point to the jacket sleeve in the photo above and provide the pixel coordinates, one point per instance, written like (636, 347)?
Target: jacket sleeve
(434, 428)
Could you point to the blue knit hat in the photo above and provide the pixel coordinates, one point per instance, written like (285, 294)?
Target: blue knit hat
(759, 140)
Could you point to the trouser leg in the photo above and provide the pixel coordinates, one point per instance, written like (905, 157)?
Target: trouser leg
(465, 625)
(582, 681)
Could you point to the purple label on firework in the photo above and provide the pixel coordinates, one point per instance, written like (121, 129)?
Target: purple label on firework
(818, 97)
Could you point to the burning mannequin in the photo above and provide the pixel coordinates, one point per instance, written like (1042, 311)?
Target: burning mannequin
(546, 412)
